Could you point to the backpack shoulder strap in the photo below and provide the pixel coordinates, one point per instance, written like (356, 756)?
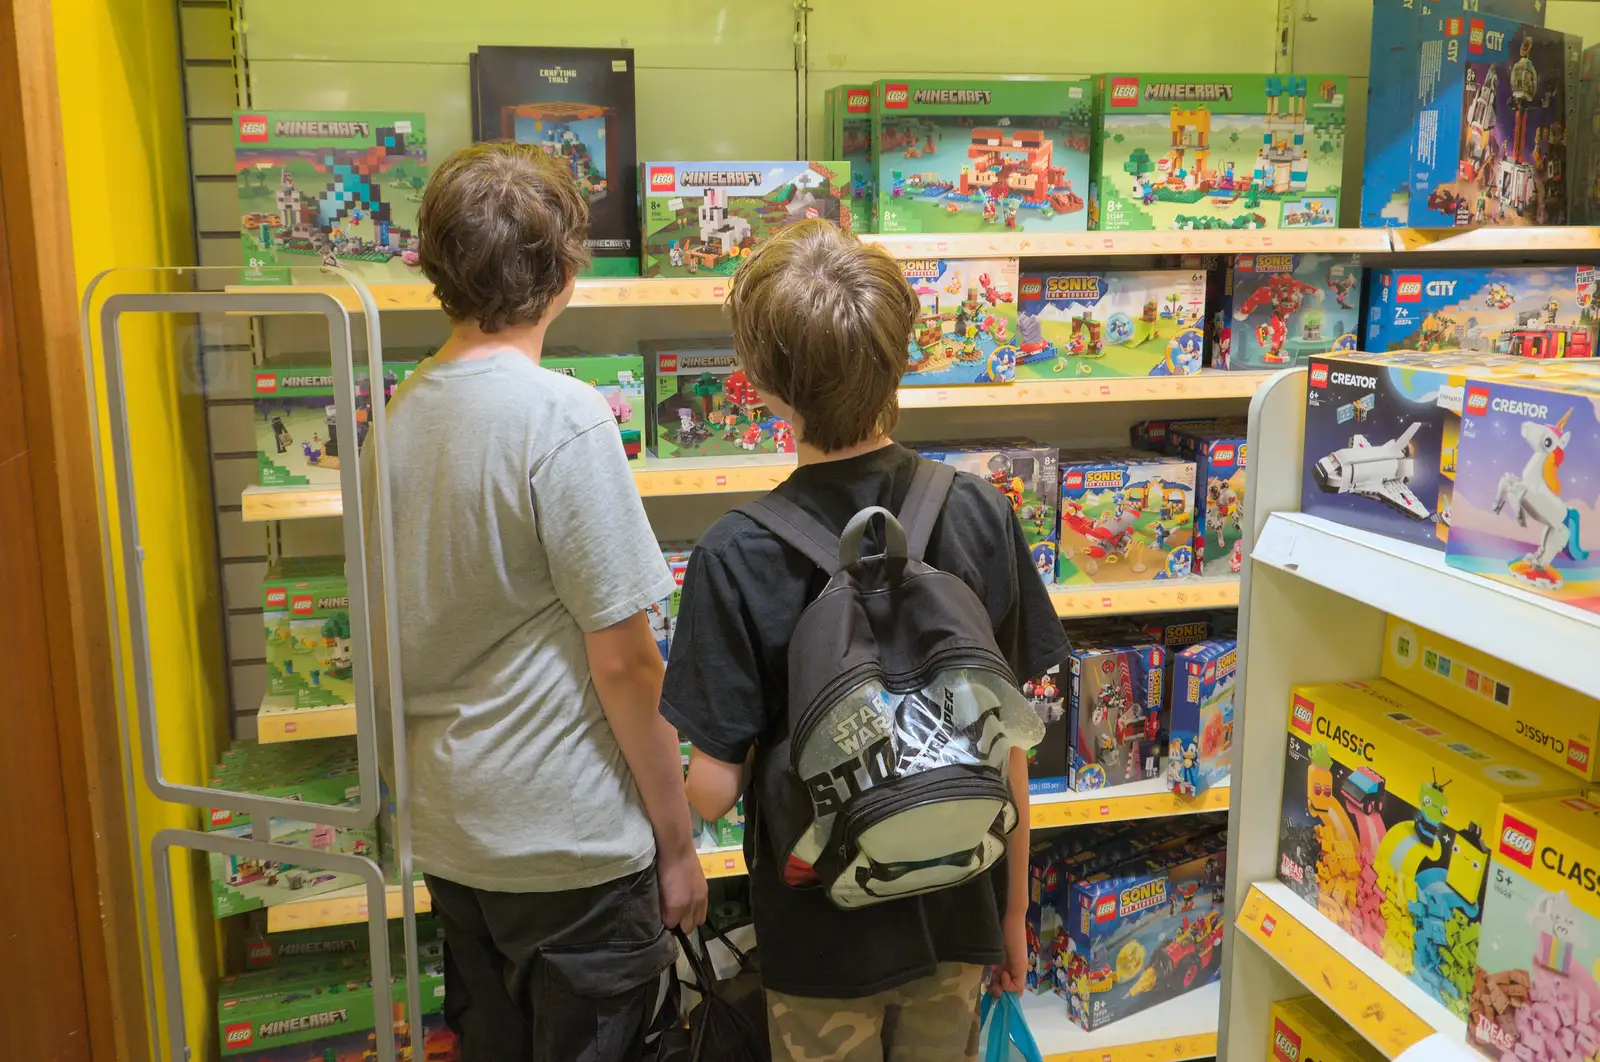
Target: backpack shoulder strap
(924, 502)
(796, 527)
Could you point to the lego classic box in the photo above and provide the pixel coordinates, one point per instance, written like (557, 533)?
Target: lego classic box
(1306, 1029)
(1554, 723)
(1386, 800)
(1529, 311)
(1125, 323)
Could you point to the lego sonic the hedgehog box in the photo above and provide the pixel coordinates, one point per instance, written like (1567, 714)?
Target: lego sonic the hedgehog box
(1115, 693)
(1201, 718)
(1124, 323)
(1534, 991)
(1280, 309)
(1527, 488)
(1126, 517)
(1146, 931)
(1387, 800)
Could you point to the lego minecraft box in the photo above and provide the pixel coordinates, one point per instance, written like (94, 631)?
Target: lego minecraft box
(1219, 151)
(1148, 323)
(982, 156)
(966, 327)
(306, 618)
(1392, 103)
(329, 187)
(619, 378)
(706, 217)
(849, 137)
(1490, 143)
(700, 404)
(1386, 800)
(1115, 691)
(1024, 473)
(1279, 309)
(1528, 487)
(1529, 311)
(1126, 517)
(577, 105)
(1200, 722)
(298, 438)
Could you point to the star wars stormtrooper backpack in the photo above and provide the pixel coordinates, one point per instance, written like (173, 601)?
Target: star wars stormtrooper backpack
(890, 779)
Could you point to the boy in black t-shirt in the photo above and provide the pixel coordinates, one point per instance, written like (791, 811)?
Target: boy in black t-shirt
(821, 324)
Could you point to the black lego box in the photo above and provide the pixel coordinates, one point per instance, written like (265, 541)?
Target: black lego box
(576, 104)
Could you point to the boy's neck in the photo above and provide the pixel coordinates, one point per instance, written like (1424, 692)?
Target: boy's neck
(811, 455)
(467, 341)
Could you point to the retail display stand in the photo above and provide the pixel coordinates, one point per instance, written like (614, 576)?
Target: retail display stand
(1313, 605)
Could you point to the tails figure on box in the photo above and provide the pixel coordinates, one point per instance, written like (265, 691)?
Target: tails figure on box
(1536, 494)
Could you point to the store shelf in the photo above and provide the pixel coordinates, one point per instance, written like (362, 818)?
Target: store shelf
(1159, 596)
(1414, 583)
(723, 863)
(1137, 800)
(1181, 1028)
(1549, 238)
(1204, 385)
(1003, 244)
(1379, 1002)
(289, 503)
(709, 475)
(599, 291)
(280, 721)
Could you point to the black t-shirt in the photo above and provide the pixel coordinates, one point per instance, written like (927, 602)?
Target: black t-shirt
(727, 690)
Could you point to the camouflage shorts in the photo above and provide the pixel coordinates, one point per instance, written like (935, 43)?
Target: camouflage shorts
(934, 1019)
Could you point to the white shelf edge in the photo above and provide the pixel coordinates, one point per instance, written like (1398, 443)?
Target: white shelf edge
(1193, 1014)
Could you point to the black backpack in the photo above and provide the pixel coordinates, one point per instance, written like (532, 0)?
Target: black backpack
(890, 777)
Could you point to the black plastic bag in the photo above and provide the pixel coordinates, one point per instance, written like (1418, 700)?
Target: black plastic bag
(729, 1024)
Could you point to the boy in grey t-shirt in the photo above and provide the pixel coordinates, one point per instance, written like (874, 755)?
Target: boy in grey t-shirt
(548, 809)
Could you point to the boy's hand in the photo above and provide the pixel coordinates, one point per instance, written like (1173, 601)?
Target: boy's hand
(683, 891)
(1012, 975)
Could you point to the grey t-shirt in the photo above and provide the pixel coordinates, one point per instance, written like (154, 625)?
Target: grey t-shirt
(517, 528)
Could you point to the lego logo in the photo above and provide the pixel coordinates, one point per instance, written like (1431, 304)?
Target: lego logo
(1319, 375)
(1454, 26)
(1105, 909)
(1124, 91)
(663, 179)
(669, 363)
(257, 951)
(276, 596)
(1303, 711)
(1577, 755)
(1031, 288)
(896, 96)
(266, 383)
(858, 102)
(302, 605)
(1477, 400)
(1285, 1044)
(1517, 840)
(1074, 481)
(221, 816)
(1408, 287)
(252, 128)
(1475, 38)
(240, 1035)
(1223, 455)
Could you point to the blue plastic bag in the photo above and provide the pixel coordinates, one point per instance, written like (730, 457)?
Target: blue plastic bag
(1008, 1038)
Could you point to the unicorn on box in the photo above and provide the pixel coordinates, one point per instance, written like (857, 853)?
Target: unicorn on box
(1536, 494)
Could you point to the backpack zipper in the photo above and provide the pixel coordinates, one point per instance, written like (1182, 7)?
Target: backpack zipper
(910, 794)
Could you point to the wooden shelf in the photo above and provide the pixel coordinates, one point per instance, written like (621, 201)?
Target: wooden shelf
(1158, 596)
(1513, 240)
(289, 503)
(697, 475)
(1181, 1028)
(280, 721)
(1003, 244)
(1124, 803)
(1203, 385)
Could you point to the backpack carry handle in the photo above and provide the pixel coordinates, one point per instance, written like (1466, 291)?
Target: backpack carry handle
(894, 536)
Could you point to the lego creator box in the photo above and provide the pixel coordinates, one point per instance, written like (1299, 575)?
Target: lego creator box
(850, 133)
(1147, 323)
(1146, 932)
(1529, 311)
(321, 187)
(700, 405)
(706, 217)
(1201, 719)
(1375, 443)
(1386, 800)
(1025, 473)
(1306, 1028)
(1527, 489)
(1126, 517)
(1554, 723)
(1584, 196)
(1490, 142)
(1280, 309)
(620, 378)
(1534, 991)
(1392, 103)
(577, 105)
(299, 441)
(982, 156)
(1219, 151)
(966, 328)
(1219, 473)
(1114, 699)
(306, 618)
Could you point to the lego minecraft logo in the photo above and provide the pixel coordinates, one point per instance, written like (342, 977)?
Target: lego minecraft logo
(1078, 286)
(1477, 400)
(1408, 287)
(333, 602)
(953, 97)
(238, 1035)
(857, 101)
(1142, 897)
(896, 97)
(252, 129)
(322, 1020)
(663, 179)
(1272, 263)
(1103, 479)
(317, 947)
(1203, 92)
(1285, 1042)
(722, 178)
(1517, 841)
(1301, 714)
(1105, 909)
(325, 130)
(922, 268)
(1319, 374)
(1578, 756)
(1124, 92)
(703, 361)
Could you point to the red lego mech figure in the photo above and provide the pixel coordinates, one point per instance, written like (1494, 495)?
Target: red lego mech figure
(990, 292)
(1285, 295)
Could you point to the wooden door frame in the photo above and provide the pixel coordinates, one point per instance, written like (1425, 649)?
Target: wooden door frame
(41, 302)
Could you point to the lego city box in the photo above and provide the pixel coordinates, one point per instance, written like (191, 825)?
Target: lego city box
(1386, 800)
(706, 217)
(1219, 151)
(1219, 456)
(699, 403)
(1280, 309)
(1024, 472)
(329, 187)
(1126, 516)
(299, 441)
(849, 129)
(1534, 989)
(1538, 312)
(620, 379)
(1115, 687)
(1122, 323)
(1527, 488)
(1544, 718)
(1306, 1029)
(966, 327)
(1204, 678)
(982, 156)
(1490, 140)
(1146, 932)
(577, 105)
(1583, 198)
